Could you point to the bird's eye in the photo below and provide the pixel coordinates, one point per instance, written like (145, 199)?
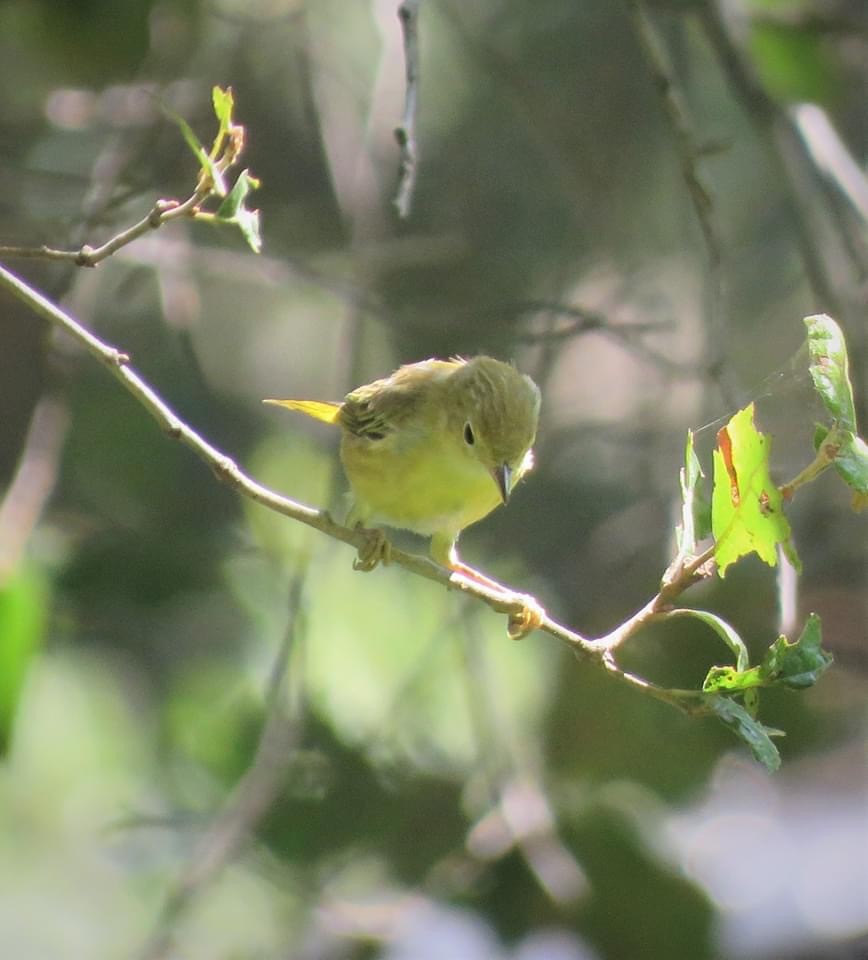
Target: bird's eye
(469, 438)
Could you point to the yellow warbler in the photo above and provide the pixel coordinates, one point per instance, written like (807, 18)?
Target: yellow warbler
(433, 448)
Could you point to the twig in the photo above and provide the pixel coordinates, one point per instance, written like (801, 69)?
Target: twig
(405, 133)
(253, 796)
(33, 482)
(675, 583)
(227, 471)
(518, 815)
(794, 165)
(677, 113)
(690, 153)
(581, 321)
(162, 212)
(627, 335)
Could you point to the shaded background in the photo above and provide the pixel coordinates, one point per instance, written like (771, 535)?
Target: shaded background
(427, 788)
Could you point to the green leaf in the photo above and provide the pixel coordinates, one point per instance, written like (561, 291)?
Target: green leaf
(747, 729)
(206, 162)
(797, 665)
(193, 142)
(233, 211)
(746, 506)
(727, 633)
(841, 445)
(730, 680)
(821, 431)
(829, 369)
(224, 104)
(851, 462)
(694, 510)
(23, 603)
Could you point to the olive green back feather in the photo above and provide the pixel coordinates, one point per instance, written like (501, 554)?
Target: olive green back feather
(379, 408)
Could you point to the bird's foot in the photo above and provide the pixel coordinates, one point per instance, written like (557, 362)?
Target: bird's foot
(527, 616)
(375, 550)
(524, 611)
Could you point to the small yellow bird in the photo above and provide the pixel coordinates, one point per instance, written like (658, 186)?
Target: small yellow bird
(433, 448)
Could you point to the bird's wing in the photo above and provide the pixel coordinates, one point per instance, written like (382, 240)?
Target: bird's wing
(377, 409)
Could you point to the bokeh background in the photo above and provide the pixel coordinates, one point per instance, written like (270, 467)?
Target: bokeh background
(221, 742)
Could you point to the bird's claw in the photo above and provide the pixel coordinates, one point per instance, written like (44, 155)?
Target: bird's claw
(527, 616)
(375, 550)
(525, 613)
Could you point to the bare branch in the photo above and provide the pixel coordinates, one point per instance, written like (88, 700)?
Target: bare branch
(517, 814)
(690, 153)
(405, 133)
(583, 321)
(33, 482)
(689, 149)
(162, 212)
(794, 166)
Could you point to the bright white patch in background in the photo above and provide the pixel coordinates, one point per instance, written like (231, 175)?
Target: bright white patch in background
(552, 945)
(784, 860)
(436, 932)
(70, 109)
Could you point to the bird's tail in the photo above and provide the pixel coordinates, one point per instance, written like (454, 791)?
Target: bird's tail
(318, 409)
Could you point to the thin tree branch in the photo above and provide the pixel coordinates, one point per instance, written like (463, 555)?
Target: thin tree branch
(33, 482)
(584, 321)
(405, 133)
(227, 471)
(793, 164)
(518, 813)
(162, 212)
(690, 153)
(686, 143)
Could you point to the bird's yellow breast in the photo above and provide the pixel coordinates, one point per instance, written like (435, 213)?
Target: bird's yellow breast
(421, 485)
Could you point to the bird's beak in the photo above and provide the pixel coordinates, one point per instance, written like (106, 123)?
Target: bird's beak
(503, 478)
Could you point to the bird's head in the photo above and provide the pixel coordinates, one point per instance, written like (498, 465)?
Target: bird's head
(494, 410)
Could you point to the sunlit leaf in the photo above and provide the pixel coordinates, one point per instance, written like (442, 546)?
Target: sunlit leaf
(730, 680)
(224, 104)
(829, 369)
(206, 162)
(233, 211)
(694, 508)
(799, 664)
(747, 507)
(840, 444)
(851, 462)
